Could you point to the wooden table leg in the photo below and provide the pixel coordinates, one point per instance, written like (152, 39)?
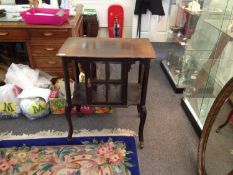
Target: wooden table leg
(69, 120)
(141, 106)
(77, 69)
(140, 74)
(68, 98)
(141, 126)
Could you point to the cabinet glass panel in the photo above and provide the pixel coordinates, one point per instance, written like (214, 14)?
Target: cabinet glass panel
(106, 82)
(98, 93)
(100, 69)
(197, 86)
(115, 71)
(114, 93)
(204, 87)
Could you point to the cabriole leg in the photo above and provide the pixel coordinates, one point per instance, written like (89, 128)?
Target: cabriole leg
(69, 120)
(143, 114)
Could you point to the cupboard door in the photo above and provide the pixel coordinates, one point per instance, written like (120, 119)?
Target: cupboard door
(105, 85)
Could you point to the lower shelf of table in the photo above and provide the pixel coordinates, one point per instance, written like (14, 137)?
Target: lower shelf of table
(133, 96)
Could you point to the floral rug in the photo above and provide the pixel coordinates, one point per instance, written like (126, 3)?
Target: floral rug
(115, 155)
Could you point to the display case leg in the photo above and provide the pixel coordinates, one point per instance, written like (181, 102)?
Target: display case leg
(69, 120)
(143, 114)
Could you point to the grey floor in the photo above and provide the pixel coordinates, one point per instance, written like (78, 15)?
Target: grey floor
(170, 140)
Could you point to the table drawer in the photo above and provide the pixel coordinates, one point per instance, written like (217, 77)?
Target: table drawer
(44, 50)
(47, 62)
(13, 34)
(49, 34)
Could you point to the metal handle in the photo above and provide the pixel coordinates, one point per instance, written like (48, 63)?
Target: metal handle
(48, 34)
(3, 33)
(49, 49)
(52, 62)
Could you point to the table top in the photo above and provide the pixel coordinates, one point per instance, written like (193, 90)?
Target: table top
(107, 48)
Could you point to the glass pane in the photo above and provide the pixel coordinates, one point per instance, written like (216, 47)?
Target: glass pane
(100, 70)
(115, 71)
(98, 93)
(205, 81)
(199, 87)
(114, 93)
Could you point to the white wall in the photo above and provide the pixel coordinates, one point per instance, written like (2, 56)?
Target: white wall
(153, 27)
(102, 12)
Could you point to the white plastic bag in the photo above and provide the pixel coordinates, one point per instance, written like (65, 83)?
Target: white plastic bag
(34, 108)
(34, 102)
(25, 77)
(35, 92)
(21, 75)
(9, 103)
(44, 80)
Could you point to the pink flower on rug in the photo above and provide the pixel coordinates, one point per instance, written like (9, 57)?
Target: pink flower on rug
(6, 166)
(105, 150)
(35, 158)
(50, 158)
(115, 159)
(34, 150)
(72, 172)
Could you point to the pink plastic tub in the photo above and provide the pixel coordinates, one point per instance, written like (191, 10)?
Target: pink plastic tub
(44, 16)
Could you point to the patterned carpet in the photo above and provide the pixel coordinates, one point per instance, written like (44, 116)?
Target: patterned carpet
(170, 140)
(83, 156)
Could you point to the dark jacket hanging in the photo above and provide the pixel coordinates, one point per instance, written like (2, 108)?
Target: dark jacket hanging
(141, 7)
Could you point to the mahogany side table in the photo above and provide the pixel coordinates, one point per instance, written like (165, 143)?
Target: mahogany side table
(106, 63)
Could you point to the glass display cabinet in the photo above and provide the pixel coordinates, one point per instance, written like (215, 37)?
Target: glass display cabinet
(188, 13)
(207, 63)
